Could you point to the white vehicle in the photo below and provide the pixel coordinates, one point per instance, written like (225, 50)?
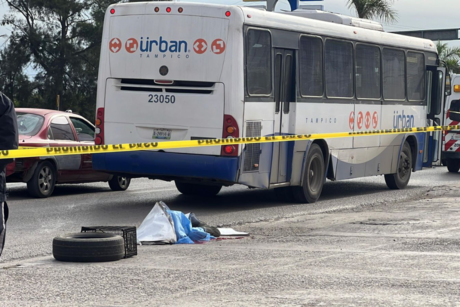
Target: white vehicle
(183, 71)
(451, 142)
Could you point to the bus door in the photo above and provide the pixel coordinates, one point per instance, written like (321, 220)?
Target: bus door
(435, 102)
(284, 95)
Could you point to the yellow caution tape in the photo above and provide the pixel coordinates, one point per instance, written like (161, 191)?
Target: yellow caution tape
(95, 149)
(27, 147)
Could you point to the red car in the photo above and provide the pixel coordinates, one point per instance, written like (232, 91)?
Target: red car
(43, 128)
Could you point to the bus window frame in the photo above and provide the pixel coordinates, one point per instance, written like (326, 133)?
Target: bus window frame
(246, 53)
(352, 43)
(323, 73)
(379, 47)
(424, 99)
(404, 51)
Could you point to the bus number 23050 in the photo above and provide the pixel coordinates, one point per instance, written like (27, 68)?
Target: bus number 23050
(162, 98)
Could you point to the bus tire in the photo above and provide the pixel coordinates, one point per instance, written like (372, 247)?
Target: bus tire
(401, 178)
(43, 181)
(313, 178)
(88, 247)
(119, 183)
(187, 188)
(453, 165)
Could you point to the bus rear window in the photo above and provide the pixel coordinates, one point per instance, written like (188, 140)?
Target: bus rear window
(258, 63)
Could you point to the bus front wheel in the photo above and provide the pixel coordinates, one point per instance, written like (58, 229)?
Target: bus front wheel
(313, 179)
(401, 178)
(187, 188)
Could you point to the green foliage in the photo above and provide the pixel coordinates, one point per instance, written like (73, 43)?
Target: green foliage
(60, 40)
(451, 56)
(370, 9)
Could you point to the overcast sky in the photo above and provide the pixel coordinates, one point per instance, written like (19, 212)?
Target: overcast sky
(412, 14)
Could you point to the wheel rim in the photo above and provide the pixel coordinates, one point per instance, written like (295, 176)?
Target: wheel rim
(123, 181)
(45, 180)
(404, 168)
(314, 175)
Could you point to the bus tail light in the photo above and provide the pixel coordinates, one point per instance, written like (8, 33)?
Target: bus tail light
(99, 139)
(231, 131)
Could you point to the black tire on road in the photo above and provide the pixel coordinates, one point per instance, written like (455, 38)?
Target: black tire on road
(313, 179)
(187, 188)
(453, 165)
(119, 183)
(401, 178)
(88, 247)
(43, 180)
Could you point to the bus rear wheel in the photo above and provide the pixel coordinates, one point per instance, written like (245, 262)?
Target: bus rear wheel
(187, 188)
(401, 178)
(453, 165)
(313, 179)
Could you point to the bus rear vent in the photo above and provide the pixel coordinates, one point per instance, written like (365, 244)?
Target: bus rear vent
(176, 86)
(252, 151)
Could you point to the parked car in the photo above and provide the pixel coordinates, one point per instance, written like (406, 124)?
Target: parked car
(42, 128)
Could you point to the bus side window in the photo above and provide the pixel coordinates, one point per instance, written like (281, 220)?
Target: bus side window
(439, 93)
(258, 63)
(311, 66)
(367, 72)
(394, 80)
(415, 76)
(278, 64)
(289, 85)
(339, 69)
(429, 90)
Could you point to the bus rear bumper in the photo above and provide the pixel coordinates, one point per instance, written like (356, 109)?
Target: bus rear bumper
(455, 155)
(168, 166)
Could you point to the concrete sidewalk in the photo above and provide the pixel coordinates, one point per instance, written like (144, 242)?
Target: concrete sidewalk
(390, 254)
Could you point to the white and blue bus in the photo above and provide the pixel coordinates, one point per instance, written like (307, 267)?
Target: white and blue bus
(182, 71)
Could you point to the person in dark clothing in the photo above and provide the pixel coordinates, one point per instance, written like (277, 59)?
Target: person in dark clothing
(8, 140)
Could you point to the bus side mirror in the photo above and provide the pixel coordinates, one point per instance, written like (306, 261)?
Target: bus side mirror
(448, 86)
(454, 112)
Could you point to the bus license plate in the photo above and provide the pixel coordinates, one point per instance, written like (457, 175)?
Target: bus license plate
(164, 134)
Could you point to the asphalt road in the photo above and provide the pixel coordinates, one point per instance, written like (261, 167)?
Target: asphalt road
(35, 222)
(361, 244)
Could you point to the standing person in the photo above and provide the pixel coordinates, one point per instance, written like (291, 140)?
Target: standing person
(8, 140)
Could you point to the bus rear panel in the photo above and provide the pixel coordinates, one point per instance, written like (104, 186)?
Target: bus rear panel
(165, 68)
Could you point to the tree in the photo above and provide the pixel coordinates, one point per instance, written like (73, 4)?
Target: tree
(370, 9)
(62, 39)
(13, 81)
(451, 56)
